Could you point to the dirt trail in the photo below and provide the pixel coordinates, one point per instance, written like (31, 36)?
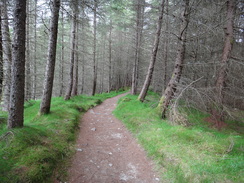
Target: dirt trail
(106, 152)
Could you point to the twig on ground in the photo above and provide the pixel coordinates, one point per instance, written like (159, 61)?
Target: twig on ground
(4, 136)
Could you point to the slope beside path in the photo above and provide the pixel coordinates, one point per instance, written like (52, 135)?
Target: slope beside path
(106, 152)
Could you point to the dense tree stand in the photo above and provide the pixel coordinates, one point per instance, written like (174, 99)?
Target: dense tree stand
(185, 59)
(112, 45)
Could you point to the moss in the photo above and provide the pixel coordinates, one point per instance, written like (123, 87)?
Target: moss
(193, 153)
(33, 153)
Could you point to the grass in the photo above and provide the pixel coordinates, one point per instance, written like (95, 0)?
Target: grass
(33, 153)
(196, 153)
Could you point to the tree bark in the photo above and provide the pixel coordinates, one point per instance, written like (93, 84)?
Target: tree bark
(221, 79)
(175, 78)
(83, 46)
(166, 47)
(72, 55)
(153, 56)
(1, 52)
(49, 76)
(7, 57)
(34, 80)
(16, 109)
(61, 63)
(103, 58)
(94, 86)
(27, 62)
(110, 56)
(76, 65)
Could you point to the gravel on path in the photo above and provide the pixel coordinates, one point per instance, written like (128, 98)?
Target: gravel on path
(106, 152)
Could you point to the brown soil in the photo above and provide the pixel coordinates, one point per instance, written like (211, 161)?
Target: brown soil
(106, 152)
(215, 120)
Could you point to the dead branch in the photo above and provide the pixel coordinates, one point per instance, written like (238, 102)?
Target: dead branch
(4, 136)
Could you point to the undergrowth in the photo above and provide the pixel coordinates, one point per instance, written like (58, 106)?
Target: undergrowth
(196, 153)
(32, 153)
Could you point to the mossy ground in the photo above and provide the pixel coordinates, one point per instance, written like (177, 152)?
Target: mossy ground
(33, 153)
(196, 153)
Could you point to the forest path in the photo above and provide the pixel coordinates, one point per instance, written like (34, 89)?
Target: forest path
(106, 152)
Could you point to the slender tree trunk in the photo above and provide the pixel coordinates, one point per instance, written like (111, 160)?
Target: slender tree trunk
(135, 69)
(166, 47)
(175, 78)
(83, 66)
(76, 65)
(1, 52)
(94, 86)
(102, 79)
(83, 48)
(7, 57)
(49, 76)
(83, 74)
(153, 56)
(72, 57)
(139, 27)
(16, 109)
(34, 80)
(110, 56)
(128, 73)
(27, 62)
(61, 64)
(221, 79)
(103, 57)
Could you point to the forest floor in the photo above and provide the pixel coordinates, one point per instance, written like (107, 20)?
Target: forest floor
(107, 152)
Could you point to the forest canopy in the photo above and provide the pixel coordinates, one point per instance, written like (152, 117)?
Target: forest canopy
(190, 52)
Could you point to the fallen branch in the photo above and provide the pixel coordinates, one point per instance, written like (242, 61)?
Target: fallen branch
(4, 136)
(230, 146)
(175, 116)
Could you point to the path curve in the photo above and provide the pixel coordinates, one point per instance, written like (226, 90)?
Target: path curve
(106, 152)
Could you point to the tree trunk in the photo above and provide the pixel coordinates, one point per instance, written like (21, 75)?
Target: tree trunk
(166, 47)
(76, 65)
(34, 80)
(139, 28)
(49, 76)
(83, 47)
(1, 53)
(221, 79)
(153, 56)
(61, 63)
(136, 61)
(16, 109)
(110, 56)
(103, 57)
(7, 57)
(27, 52)
(102, 80)
(72, 56)
(94, 49)
(175, 78)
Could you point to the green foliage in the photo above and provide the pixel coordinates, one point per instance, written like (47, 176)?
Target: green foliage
(184, 154)
(32, 153)
(121, 13)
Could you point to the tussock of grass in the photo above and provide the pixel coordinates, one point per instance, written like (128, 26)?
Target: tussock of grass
(32, 153)
(184, 154)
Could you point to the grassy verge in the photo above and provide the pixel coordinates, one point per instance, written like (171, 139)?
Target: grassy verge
(32, 153)
(184, 154)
